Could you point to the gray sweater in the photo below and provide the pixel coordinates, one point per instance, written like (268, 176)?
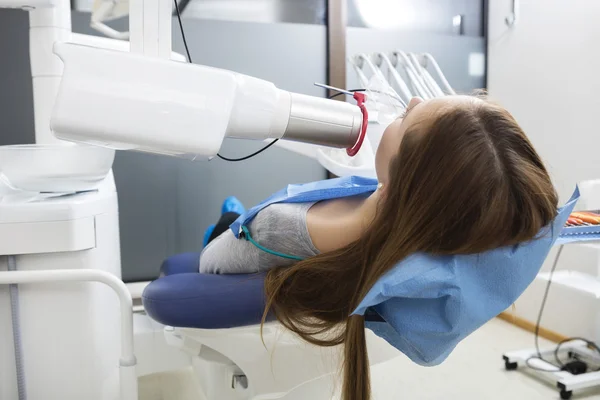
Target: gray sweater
(280, 227)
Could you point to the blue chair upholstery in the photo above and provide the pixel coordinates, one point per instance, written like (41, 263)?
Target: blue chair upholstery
(184, 298)
(180, 264)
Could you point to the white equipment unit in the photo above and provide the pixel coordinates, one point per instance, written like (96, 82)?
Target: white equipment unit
(75, 339)
(69, 331)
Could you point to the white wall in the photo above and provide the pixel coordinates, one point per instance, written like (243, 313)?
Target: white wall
(545, 70)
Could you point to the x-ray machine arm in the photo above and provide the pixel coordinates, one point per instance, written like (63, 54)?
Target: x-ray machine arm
(144, 100)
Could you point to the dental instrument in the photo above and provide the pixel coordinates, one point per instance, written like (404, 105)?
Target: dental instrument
(421, 73)
(362, 60)
(383, 105)
(429, 59)
(416, 68)
(432, 83)
(357, 66)
(382, 58)
(402, 60)
(426, 76)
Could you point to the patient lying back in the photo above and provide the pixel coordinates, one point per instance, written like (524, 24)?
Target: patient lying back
(457, 176)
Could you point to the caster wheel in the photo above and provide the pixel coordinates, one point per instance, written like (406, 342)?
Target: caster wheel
(566, 395)
(510, 366)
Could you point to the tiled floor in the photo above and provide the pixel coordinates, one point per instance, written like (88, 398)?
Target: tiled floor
(475, 371)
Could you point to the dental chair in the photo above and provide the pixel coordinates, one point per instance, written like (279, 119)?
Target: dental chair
(216, 319)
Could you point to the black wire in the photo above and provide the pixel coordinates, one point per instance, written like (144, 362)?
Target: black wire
(336, 95)
(539, 319)
(183, 5)
(248, 156)
(187, 50)
(545, 298)
(573, 339)
(333, 96)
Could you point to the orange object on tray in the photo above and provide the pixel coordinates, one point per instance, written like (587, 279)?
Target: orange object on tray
(589, 217)
(574, 221)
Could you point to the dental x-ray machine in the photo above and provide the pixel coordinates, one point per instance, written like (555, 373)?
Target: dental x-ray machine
(64, 340)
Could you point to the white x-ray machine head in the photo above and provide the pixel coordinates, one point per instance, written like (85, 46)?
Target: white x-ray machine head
(131, 101)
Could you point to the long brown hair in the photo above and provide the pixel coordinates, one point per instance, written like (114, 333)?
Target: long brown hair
(467, 180)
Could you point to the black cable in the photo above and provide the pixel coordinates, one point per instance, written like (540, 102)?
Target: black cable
(333, 96)
(539, 319)
(372, 91)
(336, 95)
(182, 5)
(589, 343)
(545, 298)
(187, 50)
(248, 156)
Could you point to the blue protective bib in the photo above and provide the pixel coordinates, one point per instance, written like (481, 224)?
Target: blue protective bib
(428, 304)
(307, 192)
